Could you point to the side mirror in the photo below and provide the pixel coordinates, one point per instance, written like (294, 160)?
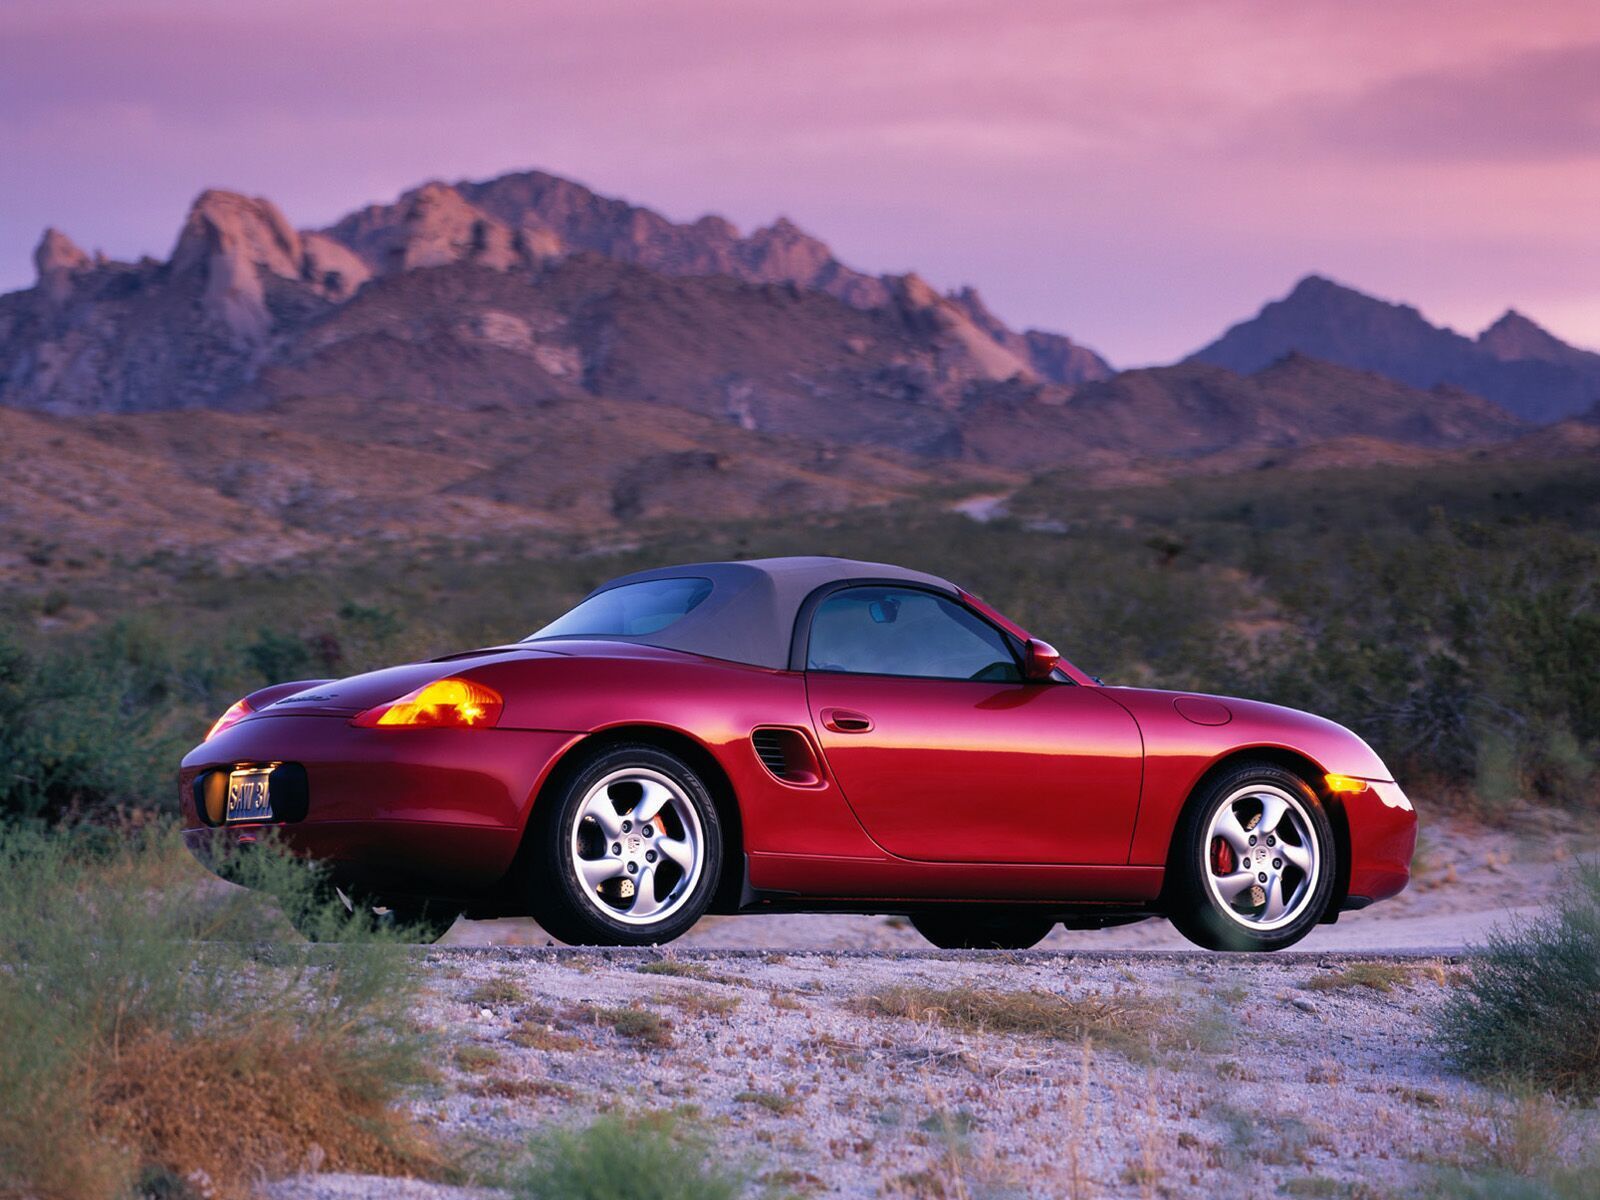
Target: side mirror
(1038, 659)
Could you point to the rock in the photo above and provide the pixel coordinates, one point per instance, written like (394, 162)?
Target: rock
(230, 241)
(332, 267)
(59, 260)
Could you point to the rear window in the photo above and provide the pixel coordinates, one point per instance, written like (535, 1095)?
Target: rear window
(632, 609)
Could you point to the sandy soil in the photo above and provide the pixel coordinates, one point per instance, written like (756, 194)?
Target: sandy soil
(1255, 1076)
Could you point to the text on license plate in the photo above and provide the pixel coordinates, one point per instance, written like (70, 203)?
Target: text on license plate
(248, 798)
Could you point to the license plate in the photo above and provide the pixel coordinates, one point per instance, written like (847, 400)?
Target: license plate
(248, 798)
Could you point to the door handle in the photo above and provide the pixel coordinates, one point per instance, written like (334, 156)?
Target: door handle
(846, 720)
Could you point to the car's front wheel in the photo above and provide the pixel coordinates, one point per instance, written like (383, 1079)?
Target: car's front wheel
(1252, 864)
(629, 850)
(982, 929)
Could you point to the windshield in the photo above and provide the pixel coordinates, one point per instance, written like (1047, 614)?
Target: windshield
(632, 609)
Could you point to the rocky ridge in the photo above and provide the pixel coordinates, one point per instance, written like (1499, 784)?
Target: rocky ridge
(1514, 362)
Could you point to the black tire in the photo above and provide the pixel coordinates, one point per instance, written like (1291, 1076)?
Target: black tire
(332, 912)
(1200, 871)
(564, 832)
(981, 929)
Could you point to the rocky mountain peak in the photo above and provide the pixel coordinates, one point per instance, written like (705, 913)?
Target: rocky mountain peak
(232, 242)
(57, 252)
(1514, 363)
(1514, 337)
(58, 259)
(249, 229)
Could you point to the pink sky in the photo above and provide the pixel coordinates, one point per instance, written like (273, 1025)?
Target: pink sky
(1137, 173)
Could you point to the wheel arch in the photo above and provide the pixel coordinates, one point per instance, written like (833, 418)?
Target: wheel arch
(1312, 774)
(730, 882)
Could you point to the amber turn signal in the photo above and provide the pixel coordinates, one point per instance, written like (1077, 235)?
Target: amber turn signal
(442, 704)
(1346, 785)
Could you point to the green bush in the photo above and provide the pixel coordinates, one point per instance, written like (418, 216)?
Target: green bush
(651, 1157)
(1527, 1014)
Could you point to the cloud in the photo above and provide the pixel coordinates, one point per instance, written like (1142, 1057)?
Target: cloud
(1540, 105)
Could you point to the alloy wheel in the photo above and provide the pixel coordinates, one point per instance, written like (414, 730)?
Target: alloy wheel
(637, 846)
(1262, 859)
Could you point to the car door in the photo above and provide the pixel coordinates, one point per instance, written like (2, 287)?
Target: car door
(946, 754)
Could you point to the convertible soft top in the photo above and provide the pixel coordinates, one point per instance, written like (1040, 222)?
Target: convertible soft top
(750, 615)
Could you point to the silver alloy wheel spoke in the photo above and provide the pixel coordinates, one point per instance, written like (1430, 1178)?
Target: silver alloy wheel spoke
(1275, 905)
(596, 871)
(1230, 830)
(1231, 885)
(652, 801)
(1297, 856)
(1272, 809)
(678, 850)
(599, 805)
(644, 894)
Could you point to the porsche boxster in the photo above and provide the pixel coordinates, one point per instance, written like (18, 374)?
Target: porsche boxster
(801, 734)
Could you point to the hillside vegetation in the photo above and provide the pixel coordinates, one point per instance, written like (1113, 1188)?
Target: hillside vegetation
(1448, 613)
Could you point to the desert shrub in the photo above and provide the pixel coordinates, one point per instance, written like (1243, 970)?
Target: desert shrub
(654, 1157)
(1526, 1013)
(78, 733)
(156, 1025)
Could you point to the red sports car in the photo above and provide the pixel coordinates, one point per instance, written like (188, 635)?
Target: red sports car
(812, 734)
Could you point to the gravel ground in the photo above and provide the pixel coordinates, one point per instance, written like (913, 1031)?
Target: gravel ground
(1253, 1077)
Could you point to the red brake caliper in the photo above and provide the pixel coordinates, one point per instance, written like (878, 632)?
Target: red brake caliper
(1221, 857)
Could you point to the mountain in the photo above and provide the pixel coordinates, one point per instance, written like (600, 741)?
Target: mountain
(244, 290)
(1514, 362)
(521, 358)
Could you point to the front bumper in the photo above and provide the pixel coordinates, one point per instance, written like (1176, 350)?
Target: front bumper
(430, 810)
(1383, 837)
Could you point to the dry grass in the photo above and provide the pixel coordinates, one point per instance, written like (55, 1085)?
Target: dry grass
(637, 1025)
(537, 1035)
(1125, 1023)
(270, 1100)
(774, 1102)
(697, 1003)
(475, 1059)
(502, 1088)
(671, 966)
(159, 1028)
(499, 991)
(1377, 977)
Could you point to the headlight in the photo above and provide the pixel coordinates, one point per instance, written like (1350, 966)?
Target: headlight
(237, 711)
(442, 704)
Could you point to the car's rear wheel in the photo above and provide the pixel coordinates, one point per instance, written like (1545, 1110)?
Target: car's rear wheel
(975, 929)
(334, 913)
(1252, 864)
(629, 850)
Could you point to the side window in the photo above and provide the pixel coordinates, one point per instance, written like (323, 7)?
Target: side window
(901, 631)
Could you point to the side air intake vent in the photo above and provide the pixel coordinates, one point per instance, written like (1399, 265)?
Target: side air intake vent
(787, 755)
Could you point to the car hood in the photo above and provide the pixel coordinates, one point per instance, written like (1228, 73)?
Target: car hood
(357, 693)
(1242, 723)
